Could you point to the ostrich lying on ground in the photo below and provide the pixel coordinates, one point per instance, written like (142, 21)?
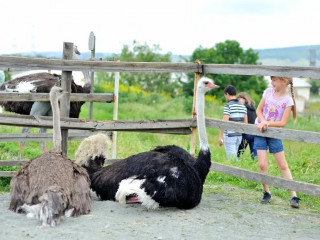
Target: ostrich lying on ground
(51, 186)
(164, 176)
(41, 83)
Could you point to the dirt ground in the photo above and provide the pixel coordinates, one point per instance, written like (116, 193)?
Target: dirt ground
(223, 214)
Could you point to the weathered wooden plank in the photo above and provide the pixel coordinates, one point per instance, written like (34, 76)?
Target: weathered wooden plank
(118, 125)
(110, 66)
(283, 133)
(95, 66)
(164, 126)
(12, 162)
(40, 137)
(74, 97)
(262, 70)
(72, 136)
(298, 186)
(7, 173)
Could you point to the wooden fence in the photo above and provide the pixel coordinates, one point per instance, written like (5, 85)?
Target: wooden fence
(175, 126)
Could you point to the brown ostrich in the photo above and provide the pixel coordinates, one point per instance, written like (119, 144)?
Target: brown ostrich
(51, 186)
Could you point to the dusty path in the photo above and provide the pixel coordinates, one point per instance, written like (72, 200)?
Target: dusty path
(220, 215)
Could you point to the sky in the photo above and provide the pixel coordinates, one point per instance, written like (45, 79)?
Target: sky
(177, 26)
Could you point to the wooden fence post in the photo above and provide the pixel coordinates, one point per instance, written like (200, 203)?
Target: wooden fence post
(68, 52)
(92, 48)
(115, 111)
(194, 113)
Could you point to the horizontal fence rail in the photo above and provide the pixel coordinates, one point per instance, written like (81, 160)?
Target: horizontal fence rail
(9, 62)
(165, 126)
(289, 134)
(74, 97)
(178, 126)
(262, 70)
(303, 187)
(73, 135)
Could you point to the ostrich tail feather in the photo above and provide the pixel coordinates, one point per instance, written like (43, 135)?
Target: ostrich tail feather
(50, 210)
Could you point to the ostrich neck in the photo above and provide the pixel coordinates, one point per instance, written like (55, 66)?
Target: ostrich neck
(56, 125)
(201, 124)
(87, 78)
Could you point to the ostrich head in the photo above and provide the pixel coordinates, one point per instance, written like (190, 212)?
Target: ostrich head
(56, 93)
(86, 74)
(206, 84)
(75, 52)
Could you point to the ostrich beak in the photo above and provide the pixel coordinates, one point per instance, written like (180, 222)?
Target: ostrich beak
(213, 85)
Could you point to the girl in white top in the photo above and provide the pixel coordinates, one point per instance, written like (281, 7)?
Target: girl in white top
(274, 110)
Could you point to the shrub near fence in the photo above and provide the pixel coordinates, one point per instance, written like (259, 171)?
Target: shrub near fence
(180, 126)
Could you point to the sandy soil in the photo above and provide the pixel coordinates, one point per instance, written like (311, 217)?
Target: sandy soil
(223, 214)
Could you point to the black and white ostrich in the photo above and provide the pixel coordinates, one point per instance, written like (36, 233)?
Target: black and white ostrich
(164, 176)
(41, 83)
(51, 186)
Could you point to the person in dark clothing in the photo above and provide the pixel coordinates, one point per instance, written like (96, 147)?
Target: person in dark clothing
(247, 139)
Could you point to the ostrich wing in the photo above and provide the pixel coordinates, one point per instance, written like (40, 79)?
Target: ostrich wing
(81, 200)
(19, 188)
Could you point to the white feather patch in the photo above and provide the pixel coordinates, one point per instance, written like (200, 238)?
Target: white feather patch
(32, 211)
(174, 172)
(161, 179)
(133, 186)
(25, 87)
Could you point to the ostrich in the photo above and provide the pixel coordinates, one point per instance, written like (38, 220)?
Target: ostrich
(41, 83)
(164, 176)
(51, 186)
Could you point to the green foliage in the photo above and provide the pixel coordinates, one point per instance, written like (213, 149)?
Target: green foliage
(151, 82)
(7, 75)
(315, 85)
(228, 52)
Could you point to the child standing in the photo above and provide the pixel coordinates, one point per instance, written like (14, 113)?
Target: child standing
(274, 110)
(233, 111)
(248, 139)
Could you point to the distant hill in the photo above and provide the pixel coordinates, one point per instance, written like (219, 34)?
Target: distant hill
(290, 56)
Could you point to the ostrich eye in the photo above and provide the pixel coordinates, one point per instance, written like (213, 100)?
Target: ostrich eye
(205, 83)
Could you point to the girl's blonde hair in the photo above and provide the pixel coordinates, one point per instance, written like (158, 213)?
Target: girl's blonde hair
(248, 100)
(290, 81)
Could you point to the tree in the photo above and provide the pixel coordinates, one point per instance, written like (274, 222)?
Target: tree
(315, 85)
(228, 52)
(153, 82)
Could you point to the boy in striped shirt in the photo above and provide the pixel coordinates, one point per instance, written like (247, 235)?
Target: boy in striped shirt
(236, 112)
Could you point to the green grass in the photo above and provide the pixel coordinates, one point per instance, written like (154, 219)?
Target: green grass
(303, 158)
